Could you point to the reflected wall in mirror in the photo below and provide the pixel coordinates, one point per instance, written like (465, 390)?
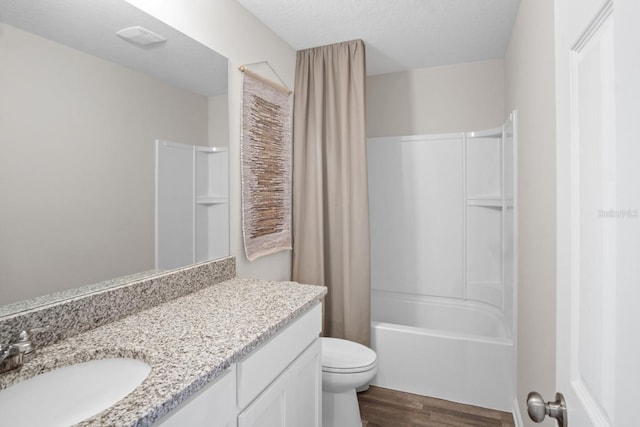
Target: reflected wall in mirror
(80, 112)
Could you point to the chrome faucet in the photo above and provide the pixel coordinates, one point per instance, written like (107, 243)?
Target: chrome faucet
(16, 353)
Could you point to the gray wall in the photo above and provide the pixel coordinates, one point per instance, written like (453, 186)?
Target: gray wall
(530, 87)
(219, 121)
(77, 164)
(452, 98)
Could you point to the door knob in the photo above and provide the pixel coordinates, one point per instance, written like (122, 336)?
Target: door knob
(538, 408)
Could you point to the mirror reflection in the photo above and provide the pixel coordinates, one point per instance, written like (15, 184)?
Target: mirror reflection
(82, 112)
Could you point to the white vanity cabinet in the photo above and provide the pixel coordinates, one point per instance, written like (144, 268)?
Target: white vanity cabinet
(279, 384)
(293, 397)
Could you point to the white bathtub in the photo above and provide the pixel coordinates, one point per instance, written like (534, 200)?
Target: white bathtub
(449, 349)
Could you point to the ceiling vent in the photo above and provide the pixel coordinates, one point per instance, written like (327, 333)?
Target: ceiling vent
(141, 36)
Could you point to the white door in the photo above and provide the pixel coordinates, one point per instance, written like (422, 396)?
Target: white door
(598, 173)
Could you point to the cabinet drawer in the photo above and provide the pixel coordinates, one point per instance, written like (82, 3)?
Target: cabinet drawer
(262, 366)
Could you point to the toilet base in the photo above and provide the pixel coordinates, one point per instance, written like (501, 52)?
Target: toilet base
(340, 409)
(362, 388)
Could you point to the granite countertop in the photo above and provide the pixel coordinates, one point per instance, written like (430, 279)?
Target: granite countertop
(187, 341)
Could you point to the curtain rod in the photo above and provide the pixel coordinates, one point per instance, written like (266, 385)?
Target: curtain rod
(273, 84)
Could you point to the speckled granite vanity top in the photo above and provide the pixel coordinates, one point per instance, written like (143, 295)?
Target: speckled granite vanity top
(187, 341)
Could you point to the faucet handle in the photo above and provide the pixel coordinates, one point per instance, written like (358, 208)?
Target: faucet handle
(34, 331)
(24, 343)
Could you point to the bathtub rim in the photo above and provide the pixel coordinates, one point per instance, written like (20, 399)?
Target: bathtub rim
(440, 333)
(483, 308)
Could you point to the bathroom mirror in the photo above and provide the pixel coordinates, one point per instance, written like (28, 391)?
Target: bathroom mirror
(81, 109)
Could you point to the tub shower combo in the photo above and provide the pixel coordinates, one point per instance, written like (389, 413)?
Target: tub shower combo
(443, 264)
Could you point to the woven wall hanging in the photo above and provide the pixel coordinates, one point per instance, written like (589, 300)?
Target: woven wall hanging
(265, 166)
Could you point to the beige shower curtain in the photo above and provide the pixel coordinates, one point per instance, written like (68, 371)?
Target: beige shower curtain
(330, 200)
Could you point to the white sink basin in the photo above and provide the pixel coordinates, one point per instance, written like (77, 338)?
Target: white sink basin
(68, 395)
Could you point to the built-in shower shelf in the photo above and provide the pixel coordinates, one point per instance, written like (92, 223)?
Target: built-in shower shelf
(492, 202)
(192, 204)
(211, 200)
(495, 284)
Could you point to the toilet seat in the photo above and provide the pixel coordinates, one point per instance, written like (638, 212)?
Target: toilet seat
(346, 357)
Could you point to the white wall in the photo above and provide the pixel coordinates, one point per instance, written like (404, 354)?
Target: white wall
(77, 165)
(452, 98)
(530, 88)
(232, 31)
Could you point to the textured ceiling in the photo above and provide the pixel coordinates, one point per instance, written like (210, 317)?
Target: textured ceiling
(399, 34)
(90, 26)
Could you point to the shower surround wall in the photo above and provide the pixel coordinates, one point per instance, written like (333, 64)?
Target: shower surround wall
(442, 249)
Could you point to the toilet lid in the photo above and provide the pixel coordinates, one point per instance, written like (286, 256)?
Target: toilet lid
(342, 356)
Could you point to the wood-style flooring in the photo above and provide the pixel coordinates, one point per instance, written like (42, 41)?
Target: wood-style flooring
(381, 407)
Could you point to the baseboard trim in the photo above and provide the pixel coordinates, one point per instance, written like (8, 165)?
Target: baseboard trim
(517, 416)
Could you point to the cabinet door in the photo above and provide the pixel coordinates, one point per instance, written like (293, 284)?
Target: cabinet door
(304, 389)
(268, 410)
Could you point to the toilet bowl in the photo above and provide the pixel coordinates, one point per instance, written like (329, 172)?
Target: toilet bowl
(346, 366)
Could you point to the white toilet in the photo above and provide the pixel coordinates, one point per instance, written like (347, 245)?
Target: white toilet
(346, 366)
